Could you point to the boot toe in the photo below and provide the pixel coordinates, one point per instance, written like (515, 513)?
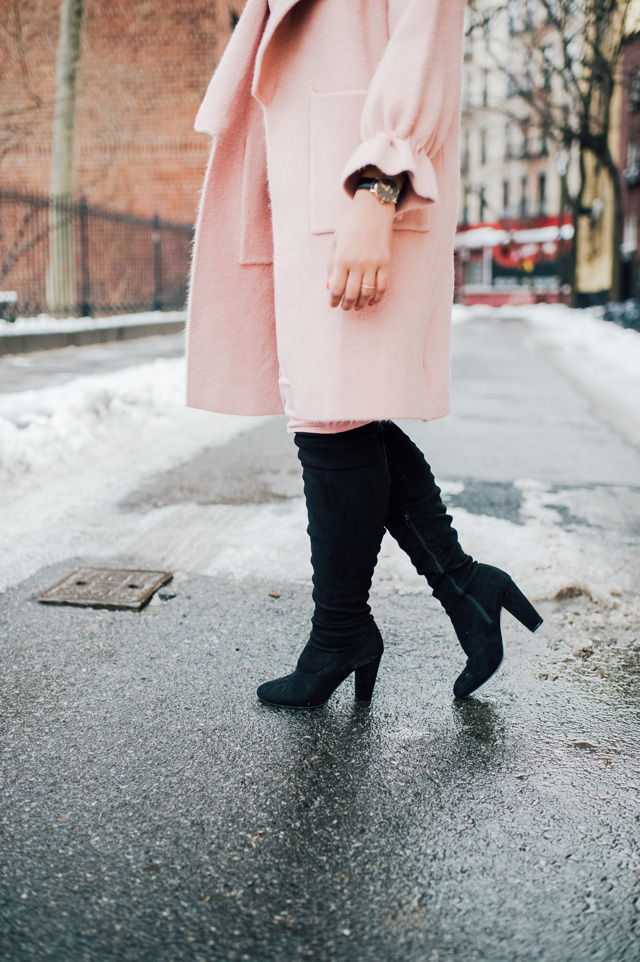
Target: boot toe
(473, 676)
(288, 692)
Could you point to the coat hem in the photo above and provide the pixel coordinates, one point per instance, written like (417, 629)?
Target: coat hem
(327, 419)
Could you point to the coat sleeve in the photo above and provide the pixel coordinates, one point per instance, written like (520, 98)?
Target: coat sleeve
(413, 98)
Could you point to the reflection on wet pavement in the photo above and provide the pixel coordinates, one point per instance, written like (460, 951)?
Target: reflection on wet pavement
(157, 803)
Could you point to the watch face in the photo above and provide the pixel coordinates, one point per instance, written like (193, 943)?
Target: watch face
(387, 193)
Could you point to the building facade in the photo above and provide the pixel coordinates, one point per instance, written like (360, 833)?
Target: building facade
(512, 200)
(144, 68)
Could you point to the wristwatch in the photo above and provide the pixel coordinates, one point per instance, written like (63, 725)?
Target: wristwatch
(384, 188)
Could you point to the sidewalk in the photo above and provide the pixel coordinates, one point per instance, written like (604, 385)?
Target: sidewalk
(43, 333)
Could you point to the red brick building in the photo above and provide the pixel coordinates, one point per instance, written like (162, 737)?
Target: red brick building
(145, 66)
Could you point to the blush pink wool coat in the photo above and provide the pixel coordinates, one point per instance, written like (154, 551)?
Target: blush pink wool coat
(304, 96)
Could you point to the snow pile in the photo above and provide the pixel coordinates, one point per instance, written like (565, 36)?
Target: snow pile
(49, 428)
(70, 454)
(600, 357)
(44, 324)
(42, 428)
(609, 354)
(540, 553)
(460, 313)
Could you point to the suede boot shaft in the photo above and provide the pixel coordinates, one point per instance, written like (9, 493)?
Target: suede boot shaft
(346, 486)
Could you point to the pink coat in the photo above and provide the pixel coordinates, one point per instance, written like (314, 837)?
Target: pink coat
(302, 99)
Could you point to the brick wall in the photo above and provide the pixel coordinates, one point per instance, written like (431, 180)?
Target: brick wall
(145, 66)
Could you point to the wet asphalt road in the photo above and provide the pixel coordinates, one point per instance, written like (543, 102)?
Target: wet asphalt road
(38, 369)
(152, 809)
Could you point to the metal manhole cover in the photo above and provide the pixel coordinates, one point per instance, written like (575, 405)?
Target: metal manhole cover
(106, 588)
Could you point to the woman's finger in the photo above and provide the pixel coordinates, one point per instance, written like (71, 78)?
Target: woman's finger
(337, 284)
(352, 290)
(381, 285)
(367, 289)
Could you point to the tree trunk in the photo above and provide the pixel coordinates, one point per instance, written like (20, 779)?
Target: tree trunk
(573, 253)
(576, 212)
(617, 232)
(61, 273)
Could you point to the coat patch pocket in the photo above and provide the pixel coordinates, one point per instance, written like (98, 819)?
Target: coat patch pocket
(334, 137)
(256, 235)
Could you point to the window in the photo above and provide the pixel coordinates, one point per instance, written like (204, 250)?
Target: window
(465, 152)
(467, 99)
(634, 91)
(630, 241)
(465, 204)
(485, 87)
(544, 139)
(483, 204)
(547, 60)
(483, 147)
(513, 17)
(530, 14)
(523, 195)
(508, 141)
(468, 40)
(505, 198)
(631, 173)
(542, 194)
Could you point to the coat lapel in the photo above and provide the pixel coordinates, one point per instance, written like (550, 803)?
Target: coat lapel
(263, 84)
(217, 109)
(241, 64)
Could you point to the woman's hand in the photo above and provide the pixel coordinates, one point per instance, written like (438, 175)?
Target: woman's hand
(361, 252)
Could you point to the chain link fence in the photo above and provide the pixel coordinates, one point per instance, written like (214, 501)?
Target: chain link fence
(72, 258)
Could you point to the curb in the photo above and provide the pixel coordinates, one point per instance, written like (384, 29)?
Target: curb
(45, 341)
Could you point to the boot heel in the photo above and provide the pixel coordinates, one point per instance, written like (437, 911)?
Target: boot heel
(520, 607)
(365, 680)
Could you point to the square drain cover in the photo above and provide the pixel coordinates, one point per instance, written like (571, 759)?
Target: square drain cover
(106, 588)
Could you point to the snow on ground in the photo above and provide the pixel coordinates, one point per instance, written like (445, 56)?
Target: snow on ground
(45, 324)
(598, 355)
(47, 429)
(69, 454)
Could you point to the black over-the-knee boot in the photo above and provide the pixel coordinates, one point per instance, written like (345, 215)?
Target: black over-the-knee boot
(472, 594)
(346, 486)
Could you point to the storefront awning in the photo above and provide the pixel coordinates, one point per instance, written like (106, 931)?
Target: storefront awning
(479, 237)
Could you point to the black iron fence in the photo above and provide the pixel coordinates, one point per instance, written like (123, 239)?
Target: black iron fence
(64, 257)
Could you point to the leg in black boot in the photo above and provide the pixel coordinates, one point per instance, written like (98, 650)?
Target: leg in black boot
(346, 486)
(472, 594)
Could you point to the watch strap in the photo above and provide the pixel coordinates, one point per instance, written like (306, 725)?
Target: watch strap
(366, 183)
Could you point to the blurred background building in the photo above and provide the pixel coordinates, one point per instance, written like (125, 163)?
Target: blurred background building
(514, 223)
(550, 142)
(630, 161)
